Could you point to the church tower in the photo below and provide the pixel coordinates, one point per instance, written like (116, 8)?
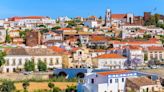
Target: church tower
(108, 18)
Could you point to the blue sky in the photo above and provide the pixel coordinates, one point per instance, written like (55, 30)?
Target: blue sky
(72, 8)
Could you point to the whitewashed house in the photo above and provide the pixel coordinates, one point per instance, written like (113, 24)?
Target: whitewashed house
(90, 24)
(111, 81)
(116, 81)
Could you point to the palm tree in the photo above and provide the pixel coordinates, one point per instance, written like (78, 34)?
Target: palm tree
(2, 59)
(25, 85)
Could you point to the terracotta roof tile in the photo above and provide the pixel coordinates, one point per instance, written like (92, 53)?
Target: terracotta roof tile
(141, 81)
(98, 38)
(65, 29)
(57, 49)
(118, 16)
(113, 72)
(110, 56)
(155, 48)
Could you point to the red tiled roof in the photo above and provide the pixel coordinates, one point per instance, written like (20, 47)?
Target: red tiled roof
(27, 17)
(75, 49)
(92, 17)
(141, 81)
(110, 56)
(113, 72)
(65, 29)
(155, 48)
(57, 49)
(141, 31)
(118, 16)
(135, 47)
(99, 50)
(151, 41)
(98, 38)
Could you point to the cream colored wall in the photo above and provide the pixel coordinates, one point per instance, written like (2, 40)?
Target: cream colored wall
(153, 52)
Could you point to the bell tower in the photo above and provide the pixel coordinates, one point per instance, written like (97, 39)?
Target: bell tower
(108, 18)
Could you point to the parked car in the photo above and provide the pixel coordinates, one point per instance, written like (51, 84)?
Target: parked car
(27, 72)
(153, 67)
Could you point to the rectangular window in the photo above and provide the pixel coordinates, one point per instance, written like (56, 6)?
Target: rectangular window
(7, 62)
(57, 61)
(160, 56)
(20, 61)
(151, 56)
(51, 61)
(110, 80)
(156, 56)
(123, 79)
(116, 80)
(14, 62)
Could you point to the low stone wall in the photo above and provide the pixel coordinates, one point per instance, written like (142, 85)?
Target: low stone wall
(21, 77)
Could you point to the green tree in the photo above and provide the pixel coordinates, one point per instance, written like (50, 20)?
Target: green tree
(7, 86)
(2, 59)
(42, 66)
(51, 85)
(157, 17)
(8, 38)
(71, 89)
(44, 30)
(78, 29)
(22, 34)
(29, 66)
(147, 36)
(151, 21)
(71, 24)
(56, 89)
(100, 18)
(54, 28)
(43, 26)
(25, 84)
(79, 43)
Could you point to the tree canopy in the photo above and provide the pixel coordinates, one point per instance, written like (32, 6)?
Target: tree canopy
(2, 60)
(42, 66)
(29, 66)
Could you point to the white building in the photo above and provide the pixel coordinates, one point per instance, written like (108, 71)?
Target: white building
(16, 58)
(63, 19)
(144, 44)
(2, 35)
(111, 61)
(131, 52)
(29, 21)
(1, 22)
(116, 81)
(91, 24)
(112, 81)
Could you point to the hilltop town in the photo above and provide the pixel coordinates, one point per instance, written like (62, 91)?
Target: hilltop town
(114, 53)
